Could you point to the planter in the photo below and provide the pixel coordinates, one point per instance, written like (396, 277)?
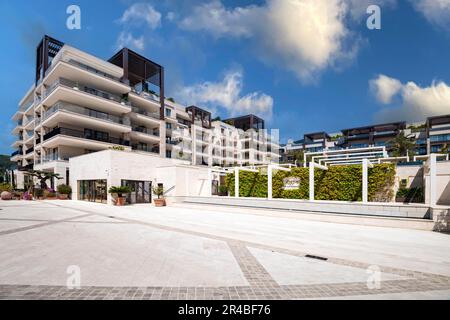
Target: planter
(160, 202)
(120, 201)
(400, 199)
(6, 195)
(63, 196)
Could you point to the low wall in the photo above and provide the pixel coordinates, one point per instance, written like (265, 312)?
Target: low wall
(415, 211)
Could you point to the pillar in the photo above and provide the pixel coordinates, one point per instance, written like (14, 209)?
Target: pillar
(236, 182)
(365, 177)
(433, 179)
(269, 182)
(311, 181)
(210, 182)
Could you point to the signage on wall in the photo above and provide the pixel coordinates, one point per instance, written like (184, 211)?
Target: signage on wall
(291, 183)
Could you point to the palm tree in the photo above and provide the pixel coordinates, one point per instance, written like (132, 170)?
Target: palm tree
(43, 176)
(401, 145)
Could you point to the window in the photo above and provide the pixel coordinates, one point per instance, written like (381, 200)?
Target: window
(440, 138)
(168, 154)
(169, 126)
(168, 112)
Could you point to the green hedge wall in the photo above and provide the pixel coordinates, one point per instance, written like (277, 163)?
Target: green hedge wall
(341, 183)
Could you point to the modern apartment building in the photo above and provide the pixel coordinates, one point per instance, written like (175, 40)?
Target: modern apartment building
(430, 136)
(80, 104)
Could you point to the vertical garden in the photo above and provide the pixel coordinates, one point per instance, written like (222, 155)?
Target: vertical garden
(341, 183)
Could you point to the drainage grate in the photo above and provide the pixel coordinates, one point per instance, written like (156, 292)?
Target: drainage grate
(316, 257)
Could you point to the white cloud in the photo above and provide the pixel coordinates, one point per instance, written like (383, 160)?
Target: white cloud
(126, 39)
(140, 13)
(419, 102)
(436, 12)
(385, 88)
(227, 94)
(214, 18)
(303, 36)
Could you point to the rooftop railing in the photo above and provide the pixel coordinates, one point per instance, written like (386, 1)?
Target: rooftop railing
(92, 70)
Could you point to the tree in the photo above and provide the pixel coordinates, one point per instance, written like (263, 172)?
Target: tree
(43, 176)
(401, 145)
(445, 149)
(6, 170)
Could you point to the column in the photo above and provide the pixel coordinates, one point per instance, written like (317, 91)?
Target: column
(433, 179)
(210, 182)
(365, 177)
(236, 182)
(311, 181)
(269, 181)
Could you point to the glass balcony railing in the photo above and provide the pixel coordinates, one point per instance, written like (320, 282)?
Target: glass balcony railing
(93, 70)
(16, 153)
(147, 131)
(81, 87)
(154, 115)
(63, 106)
(145, 149)
(440, 138)
(84, 135)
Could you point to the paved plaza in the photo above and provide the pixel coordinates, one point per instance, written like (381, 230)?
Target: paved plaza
(210, 252)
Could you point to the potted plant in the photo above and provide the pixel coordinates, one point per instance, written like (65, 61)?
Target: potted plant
(50, 195)
(6, 191)
(223, 190)
(64, 191)
(27, 196)
(159, 192)
(38, 194)
(120, 191)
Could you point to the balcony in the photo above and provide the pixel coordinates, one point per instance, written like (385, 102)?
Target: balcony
(92, 70)
(70, 113)
(16, 153)
(153, 150)
(78, 71)
(29, 150)
(145, 116)
(81, 94)
(87, 136)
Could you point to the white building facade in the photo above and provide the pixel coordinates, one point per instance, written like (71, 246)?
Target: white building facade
(80, 105)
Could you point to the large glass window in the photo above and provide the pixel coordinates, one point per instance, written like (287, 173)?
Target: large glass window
(92, 190)
(141, 191)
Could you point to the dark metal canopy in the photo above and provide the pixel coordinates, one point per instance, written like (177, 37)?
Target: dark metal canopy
(47, 49)
(246, 122)
(393, 126)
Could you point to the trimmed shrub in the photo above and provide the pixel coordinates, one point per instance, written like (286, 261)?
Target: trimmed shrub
(5, 187)
(64, 189)
(341, 183)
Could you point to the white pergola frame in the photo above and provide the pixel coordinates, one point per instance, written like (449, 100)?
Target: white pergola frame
(366, 164)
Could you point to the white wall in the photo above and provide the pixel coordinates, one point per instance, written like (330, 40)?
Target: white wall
(115, 166)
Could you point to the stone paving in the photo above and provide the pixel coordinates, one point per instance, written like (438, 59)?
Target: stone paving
(258, 283)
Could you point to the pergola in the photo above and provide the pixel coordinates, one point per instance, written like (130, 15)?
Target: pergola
(366, 164)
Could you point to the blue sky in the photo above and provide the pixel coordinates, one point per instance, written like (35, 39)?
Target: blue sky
(303, 65)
